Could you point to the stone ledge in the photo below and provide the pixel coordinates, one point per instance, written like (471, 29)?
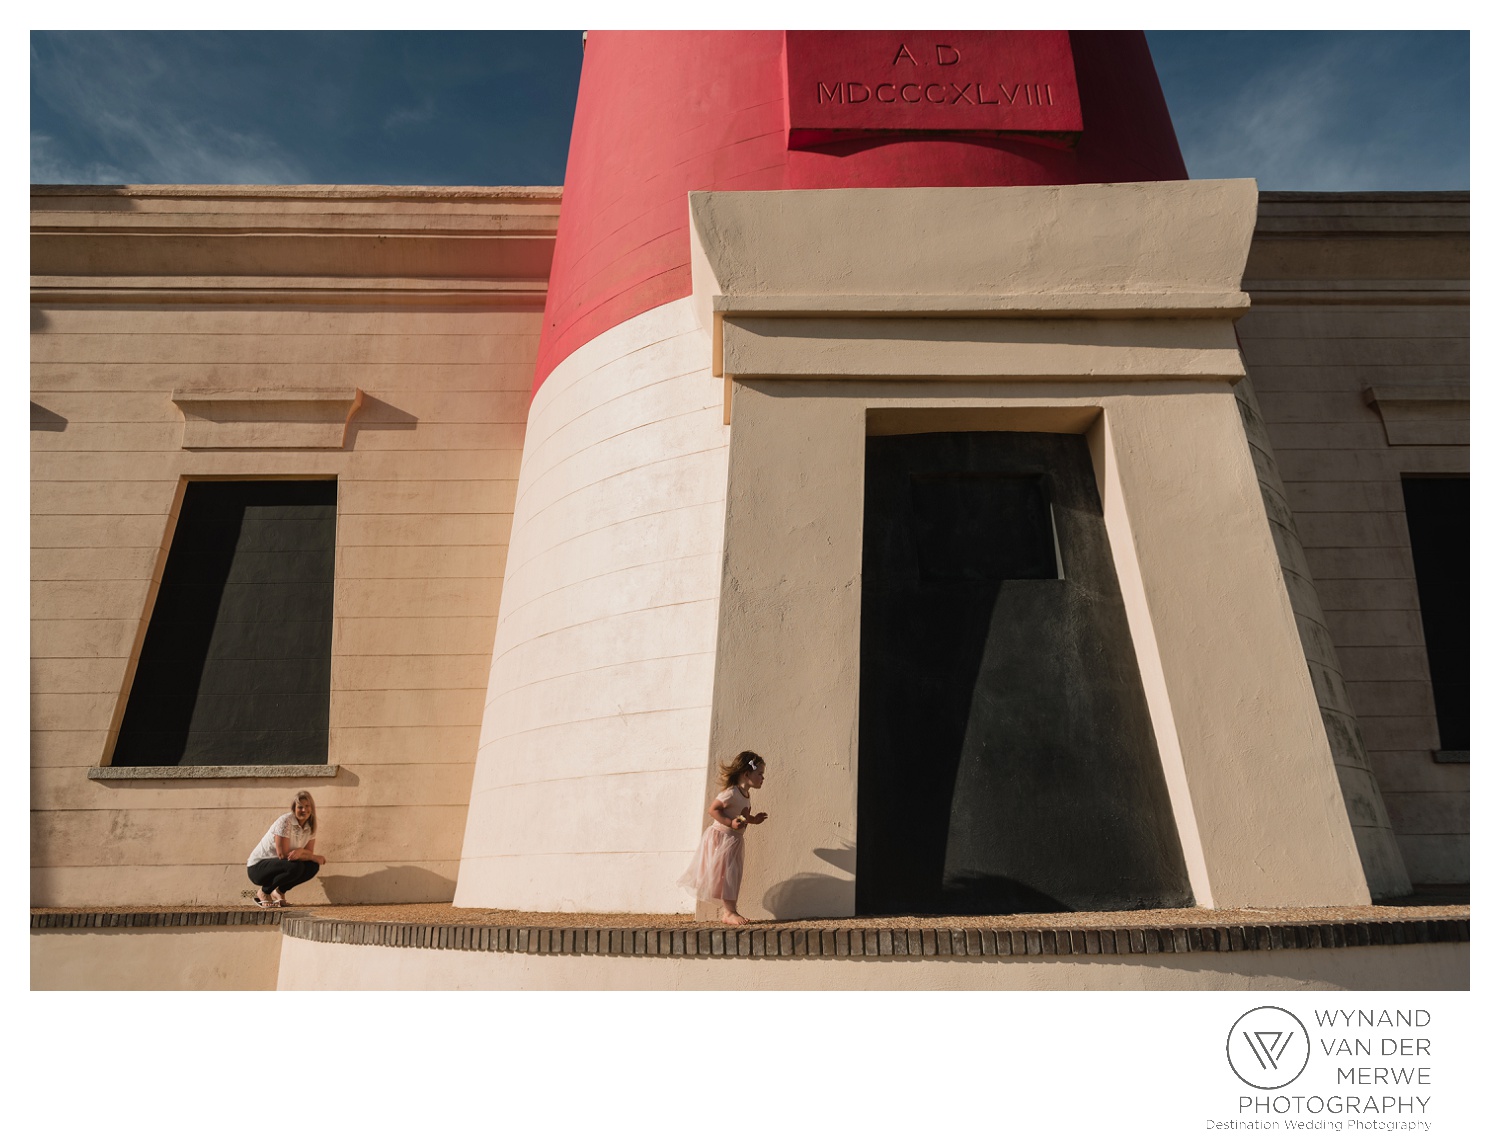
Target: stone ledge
(96, 920)
(208, 772)
(1056, 303)
(770, 941)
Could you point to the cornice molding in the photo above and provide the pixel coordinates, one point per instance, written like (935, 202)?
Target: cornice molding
(526, 294)
(486, 246)
(311, 191)
(1136, 281)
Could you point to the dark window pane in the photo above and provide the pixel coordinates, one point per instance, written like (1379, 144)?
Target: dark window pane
(982, 527)
(235, 666)
(1437, 518)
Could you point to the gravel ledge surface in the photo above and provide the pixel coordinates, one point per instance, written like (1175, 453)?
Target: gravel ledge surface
(443, 926)
(446, 913)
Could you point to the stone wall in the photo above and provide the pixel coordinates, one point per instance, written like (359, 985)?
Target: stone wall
(381, 336)
(1357, 345)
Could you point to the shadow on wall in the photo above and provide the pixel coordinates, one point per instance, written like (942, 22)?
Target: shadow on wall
(408, 884)
(811, 894)
(376, 415)
(46, 420)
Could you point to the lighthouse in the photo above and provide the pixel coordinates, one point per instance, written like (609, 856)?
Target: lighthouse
(889, 421)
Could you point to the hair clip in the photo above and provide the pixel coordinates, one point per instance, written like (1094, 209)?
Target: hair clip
(750, 765)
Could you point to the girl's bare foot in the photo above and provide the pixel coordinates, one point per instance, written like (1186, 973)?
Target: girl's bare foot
(733, 918)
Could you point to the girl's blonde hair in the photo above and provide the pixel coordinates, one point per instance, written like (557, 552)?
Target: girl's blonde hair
(743, 763)
(312, 817)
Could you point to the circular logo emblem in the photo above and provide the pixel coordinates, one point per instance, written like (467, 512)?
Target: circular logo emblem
(1268, 1047)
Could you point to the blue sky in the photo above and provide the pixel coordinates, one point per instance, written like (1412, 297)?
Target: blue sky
(1296, 110)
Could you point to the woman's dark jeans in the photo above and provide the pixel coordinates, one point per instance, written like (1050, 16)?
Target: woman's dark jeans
(281, 875)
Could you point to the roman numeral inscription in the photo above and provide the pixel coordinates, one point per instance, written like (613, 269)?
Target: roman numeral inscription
(974, 94)
(843, 85)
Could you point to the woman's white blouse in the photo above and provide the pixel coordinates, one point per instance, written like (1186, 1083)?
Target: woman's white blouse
(285, 825)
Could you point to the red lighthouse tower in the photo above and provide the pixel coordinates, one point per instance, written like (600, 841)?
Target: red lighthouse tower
(662, 114)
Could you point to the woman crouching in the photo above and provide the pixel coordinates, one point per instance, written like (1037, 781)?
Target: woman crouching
(285, 857)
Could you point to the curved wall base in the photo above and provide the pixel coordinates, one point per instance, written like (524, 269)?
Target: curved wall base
(588, 787)
(308, 965)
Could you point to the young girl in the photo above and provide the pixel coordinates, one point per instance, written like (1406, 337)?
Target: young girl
(716, 870)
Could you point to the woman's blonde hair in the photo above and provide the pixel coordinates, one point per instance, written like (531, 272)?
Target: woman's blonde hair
(743, 763)
(312, 817)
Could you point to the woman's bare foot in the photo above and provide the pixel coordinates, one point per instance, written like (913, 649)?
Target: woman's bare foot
(277, 899)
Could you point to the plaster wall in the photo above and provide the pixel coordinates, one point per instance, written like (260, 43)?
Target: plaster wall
(1357, 293)
(586, 792)
(198, 960)
(306, 965)
(426, 469)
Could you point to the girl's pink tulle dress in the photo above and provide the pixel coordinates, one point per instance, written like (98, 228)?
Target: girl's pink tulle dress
(720, 861)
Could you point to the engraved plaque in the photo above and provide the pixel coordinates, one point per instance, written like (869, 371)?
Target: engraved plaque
(849, 85)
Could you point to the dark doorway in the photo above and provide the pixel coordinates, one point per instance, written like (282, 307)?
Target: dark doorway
(1437, 519)
(1007, 761)
(235, 667)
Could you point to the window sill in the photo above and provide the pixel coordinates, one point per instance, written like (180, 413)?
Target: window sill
(209, 772)
(1451, 756)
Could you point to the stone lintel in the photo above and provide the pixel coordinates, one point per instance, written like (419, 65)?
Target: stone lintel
(1422, 415)
(267, 418)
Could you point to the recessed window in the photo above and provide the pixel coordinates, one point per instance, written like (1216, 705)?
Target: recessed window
(1437, 519)
(235, 666)
(1007, 758)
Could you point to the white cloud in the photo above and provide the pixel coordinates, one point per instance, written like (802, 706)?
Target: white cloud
(50, 164)
(405, 118)
(1312, 122)
(146, 118)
